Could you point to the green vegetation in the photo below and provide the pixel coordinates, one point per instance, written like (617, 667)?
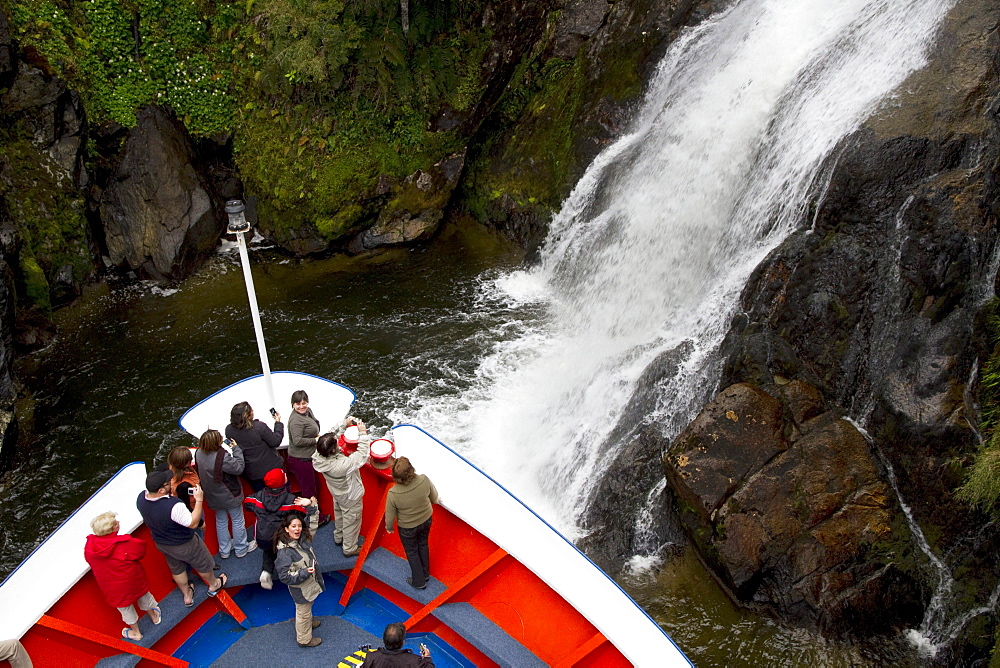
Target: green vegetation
(321, 97)
(124, 55)
(50, 220)
(530, 156)
(982, 486)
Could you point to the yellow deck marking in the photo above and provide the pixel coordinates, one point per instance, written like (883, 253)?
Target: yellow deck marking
(355, 659)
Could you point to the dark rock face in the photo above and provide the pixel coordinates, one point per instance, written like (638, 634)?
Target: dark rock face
(157, 213)
(523, 168)
(732, 438)
(787, 504)
(8, 419)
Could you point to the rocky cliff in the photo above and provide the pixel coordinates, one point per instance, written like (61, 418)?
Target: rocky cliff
(849, 395)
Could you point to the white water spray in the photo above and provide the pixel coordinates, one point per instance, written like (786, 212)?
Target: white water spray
(658, 238)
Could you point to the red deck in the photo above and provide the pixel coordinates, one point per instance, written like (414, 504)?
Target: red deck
(80, 629)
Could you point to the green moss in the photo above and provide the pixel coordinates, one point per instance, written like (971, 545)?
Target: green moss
(35, 284)
(619, 76)
(531, 158)
(48, 215)
(534, 165)
(336, 226)
(308, 172)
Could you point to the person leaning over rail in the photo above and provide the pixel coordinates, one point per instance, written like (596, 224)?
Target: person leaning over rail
(220, 464)
(173, 528)
(298, 568)
(115, 562)
(339, 457)
(258, 442)
(394, 655)
(408, 504)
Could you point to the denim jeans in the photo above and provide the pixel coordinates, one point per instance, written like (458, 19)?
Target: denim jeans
(238, 539)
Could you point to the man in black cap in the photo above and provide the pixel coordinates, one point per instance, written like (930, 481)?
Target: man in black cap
(173, 528)
(394, 655)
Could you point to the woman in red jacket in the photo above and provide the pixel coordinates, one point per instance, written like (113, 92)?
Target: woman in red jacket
(114, 559)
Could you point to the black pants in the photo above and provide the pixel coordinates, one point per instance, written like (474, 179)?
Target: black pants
(267, 552)
(415, 544)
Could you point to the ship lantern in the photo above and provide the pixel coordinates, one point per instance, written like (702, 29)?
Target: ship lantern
(237, 217)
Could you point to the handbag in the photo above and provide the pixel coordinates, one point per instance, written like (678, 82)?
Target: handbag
(231, 482)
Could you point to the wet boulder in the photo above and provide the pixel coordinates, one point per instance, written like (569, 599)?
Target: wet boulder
(733, 437)
(785, 500)
(158, 216)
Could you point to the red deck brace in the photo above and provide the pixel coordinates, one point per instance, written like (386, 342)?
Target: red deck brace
(370, 540)
(581, 652)
(109, 641)
(229, 605)
(449, 593)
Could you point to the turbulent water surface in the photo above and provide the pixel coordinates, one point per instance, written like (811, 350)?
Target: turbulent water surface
(525, 371)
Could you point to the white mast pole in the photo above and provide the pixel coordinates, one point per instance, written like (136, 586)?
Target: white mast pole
(238, 225)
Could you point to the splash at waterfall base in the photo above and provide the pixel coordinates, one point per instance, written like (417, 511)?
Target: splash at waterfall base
(819, 483)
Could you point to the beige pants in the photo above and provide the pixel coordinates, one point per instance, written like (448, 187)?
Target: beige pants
(347, 523)
(304, 622)
(130, 616)
(13, 651)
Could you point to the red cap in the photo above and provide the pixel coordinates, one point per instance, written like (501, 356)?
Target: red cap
(275, 478)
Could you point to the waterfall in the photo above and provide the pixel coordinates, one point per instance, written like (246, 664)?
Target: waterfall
(654, 244)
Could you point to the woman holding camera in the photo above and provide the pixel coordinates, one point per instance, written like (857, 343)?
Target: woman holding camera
(180, 463)
(339, 457)
(258, 442)
(297, 567)
(220, 464)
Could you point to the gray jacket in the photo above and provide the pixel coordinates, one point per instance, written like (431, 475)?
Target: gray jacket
(302, 433)
(291, 563)
(218, 496)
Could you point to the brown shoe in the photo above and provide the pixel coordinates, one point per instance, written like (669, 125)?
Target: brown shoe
(352, 553)
(316, 623)
(312, 643)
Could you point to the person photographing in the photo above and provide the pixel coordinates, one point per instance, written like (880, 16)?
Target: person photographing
(394, 655)
(339, 457)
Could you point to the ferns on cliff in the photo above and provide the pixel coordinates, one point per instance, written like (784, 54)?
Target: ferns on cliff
(982, 484)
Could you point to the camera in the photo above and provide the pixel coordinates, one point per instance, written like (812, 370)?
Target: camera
(274, 413)
(227, 441)
(191, 491)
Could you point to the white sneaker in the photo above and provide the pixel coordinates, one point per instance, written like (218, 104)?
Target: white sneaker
(265, 580)
(250, 548)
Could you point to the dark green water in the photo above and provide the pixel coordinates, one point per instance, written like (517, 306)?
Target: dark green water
(406, 329)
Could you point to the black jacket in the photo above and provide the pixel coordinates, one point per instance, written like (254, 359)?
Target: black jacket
(390, 658)
(258, 444)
